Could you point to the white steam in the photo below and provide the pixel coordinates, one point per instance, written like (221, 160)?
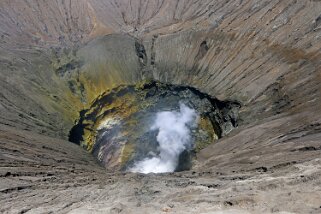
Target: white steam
(173, 138)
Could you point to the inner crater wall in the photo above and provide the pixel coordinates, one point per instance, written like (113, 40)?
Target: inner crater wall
(60, 66)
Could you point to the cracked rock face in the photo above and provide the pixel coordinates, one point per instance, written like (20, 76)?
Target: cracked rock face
(57, 57)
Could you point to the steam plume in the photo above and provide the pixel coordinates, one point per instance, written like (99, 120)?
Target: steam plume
(173, 138)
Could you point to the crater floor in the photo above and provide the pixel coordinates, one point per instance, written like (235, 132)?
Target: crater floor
(58, 57)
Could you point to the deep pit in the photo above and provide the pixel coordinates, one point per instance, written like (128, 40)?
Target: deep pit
(150, 121)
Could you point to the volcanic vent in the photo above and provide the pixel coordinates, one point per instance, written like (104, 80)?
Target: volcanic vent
(152, 127)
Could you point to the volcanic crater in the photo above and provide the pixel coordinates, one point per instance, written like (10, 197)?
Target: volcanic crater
(83, 83)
